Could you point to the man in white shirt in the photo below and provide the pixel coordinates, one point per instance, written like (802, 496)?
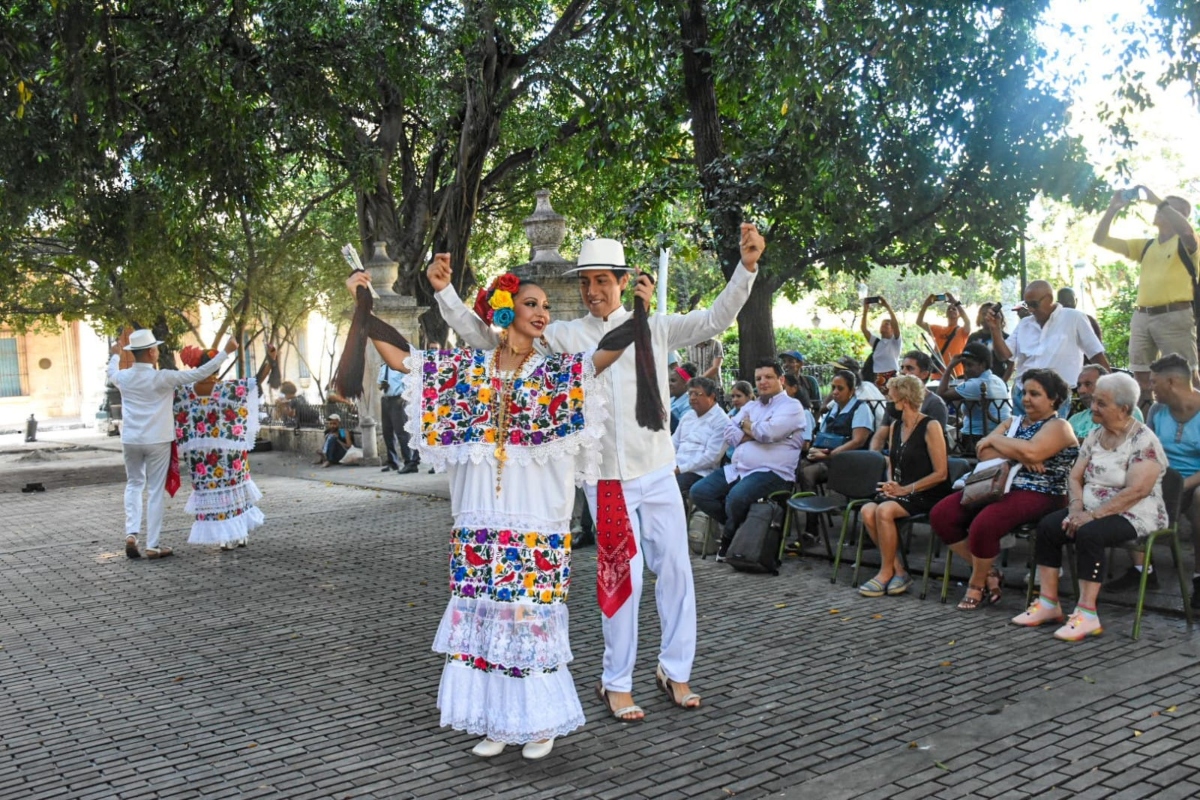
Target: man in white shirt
(640, 461)
(767, 435)
(700, 438)
(1051, 337)
(147, 430)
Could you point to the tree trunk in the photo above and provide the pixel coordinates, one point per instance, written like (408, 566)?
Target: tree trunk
(756, 333)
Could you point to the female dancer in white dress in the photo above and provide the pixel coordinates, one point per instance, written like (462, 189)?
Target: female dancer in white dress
(515, 429)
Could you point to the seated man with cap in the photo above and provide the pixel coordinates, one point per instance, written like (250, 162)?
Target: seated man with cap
(793, 362)
(147, 431)
(337, 442)
(984, 395)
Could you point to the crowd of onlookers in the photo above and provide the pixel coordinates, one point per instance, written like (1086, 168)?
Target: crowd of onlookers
(1044, 434)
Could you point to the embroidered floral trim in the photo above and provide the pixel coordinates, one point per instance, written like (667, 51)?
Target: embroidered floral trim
(510, 566)
(204, 501)
(487, 666)
(225, 419)
(560, 411)
(515, 521)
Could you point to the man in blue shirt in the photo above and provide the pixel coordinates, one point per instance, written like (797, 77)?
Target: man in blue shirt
(1175, 419)
(982, 395)
(391, 384)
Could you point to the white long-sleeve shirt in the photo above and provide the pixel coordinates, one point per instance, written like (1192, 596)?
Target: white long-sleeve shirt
(146, 396)
(628, 451)
(700, 441)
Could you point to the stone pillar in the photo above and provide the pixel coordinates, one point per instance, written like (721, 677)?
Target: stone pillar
(546, 230)
(403, 314)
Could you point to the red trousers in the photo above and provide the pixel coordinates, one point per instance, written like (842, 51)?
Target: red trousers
(985, 527)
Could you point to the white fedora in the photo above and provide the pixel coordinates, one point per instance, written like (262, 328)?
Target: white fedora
(600, 254)
(141, 340)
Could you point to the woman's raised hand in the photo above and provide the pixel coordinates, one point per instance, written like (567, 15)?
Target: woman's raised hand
(439, 273)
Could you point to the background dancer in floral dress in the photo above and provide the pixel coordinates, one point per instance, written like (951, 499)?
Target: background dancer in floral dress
(215, 426)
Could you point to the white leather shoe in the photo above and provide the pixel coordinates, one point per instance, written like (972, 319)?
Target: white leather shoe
(487, 748)
(535, 750)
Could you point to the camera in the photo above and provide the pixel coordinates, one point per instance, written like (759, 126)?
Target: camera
(873, 299)
(1130, 195)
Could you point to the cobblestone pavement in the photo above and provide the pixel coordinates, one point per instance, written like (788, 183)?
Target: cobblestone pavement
(300, 668)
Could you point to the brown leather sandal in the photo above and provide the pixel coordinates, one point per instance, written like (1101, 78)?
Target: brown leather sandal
(995, 580)
(969, 603)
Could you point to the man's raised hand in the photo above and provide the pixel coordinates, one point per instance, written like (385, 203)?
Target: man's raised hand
(231, 345)
(752, 246)
(358, 278)
(439, 273)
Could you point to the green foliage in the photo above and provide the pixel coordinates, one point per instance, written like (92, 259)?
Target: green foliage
(1114, 324)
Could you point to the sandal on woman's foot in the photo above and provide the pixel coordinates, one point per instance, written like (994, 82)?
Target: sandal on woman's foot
(994, 580)
(969, 603)
(619, 713)
(668, 686)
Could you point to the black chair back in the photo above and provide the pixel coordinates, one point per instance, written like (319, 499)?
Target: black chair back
(1172, 484)
(855, 474)
(957, 467)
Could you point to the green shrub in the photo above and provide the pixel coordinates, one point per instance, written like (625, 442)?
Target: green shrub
(1114, 321)
(818, 346)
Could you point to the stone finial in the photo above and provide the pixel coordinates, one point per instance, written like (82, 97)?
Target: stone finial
(545, 229)
(384, 271)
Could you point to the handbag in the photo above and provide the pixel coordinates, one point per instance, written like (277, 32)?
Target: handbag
(829, 441)
(987, 485)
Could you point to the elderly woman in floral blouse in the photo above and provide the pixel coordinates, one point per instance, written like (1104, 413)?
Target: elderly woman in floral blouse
(1115, 496)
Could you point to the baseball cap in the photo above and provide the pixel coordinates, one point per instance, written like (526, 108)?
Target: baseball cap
(977, 352)
(847, 362)
(792, 354)
(334, 417)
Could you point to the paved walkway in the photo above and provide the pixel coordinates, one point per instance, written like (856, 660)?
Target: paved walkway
(300, 668)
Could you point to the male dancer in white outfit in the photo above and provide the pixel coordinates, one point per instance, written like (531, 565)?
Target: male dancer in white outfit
(641, 460)
(147, 430)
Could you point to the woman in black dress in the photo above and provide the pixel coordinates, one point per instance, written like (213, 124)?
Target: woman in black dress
(918, 478)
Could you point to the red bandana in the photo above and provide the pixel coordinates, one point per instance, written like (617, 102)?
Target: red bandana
(615, 546)
(172, 484)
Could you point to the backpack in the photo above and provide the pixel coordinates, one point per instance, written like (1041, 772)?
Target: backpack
(755, 546)
(868, 367)
(700, 529)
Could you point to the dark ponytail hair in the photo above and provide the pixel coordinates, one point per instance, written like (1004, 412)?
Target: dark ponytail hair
(648, 406)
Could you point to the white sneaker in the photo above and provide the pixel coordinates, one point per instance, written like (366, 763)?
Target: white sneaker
(487, 748)
(532, 751)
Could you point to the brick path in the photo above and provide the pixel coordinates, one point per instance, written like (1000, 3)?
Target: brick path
(300, 668)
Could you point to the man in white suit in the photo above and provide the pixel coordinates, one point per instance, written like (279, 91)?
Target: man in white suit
(147, 430)
(638, 465)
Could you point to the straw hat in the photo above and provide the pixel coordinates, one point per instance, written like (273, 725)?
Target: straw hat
(141, 339)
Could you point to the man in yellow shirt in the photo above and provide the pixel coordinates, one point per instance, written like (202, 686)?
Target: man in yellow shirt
(1163, 322)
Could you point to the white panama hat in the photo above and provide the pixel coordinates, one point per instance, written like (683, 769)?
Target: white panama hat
(600, 254)
(141, 339)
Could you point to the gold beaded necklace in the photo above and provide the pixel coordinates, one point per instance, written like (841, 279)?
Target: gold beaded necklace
(504, 398)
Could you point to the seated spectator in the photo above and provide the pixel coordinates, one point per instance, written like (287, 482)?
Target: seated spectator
(887, 346)
(1082, 422)
(700, 438)
(767, 436)
(918, 365)
(863, 390)
(677, 386)
(847, 425)
(1044, 446)
(1000, 367)
(293, 409)
(795, 389)
(1175, 420)
(1115, 497)
(337, 442)
(739, 395)
(983, 396)
(918, 477)
(793, 364)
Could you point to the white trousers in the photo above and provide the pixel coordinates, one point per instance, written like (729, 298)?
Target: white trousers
(660, 530)
(145, 469)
